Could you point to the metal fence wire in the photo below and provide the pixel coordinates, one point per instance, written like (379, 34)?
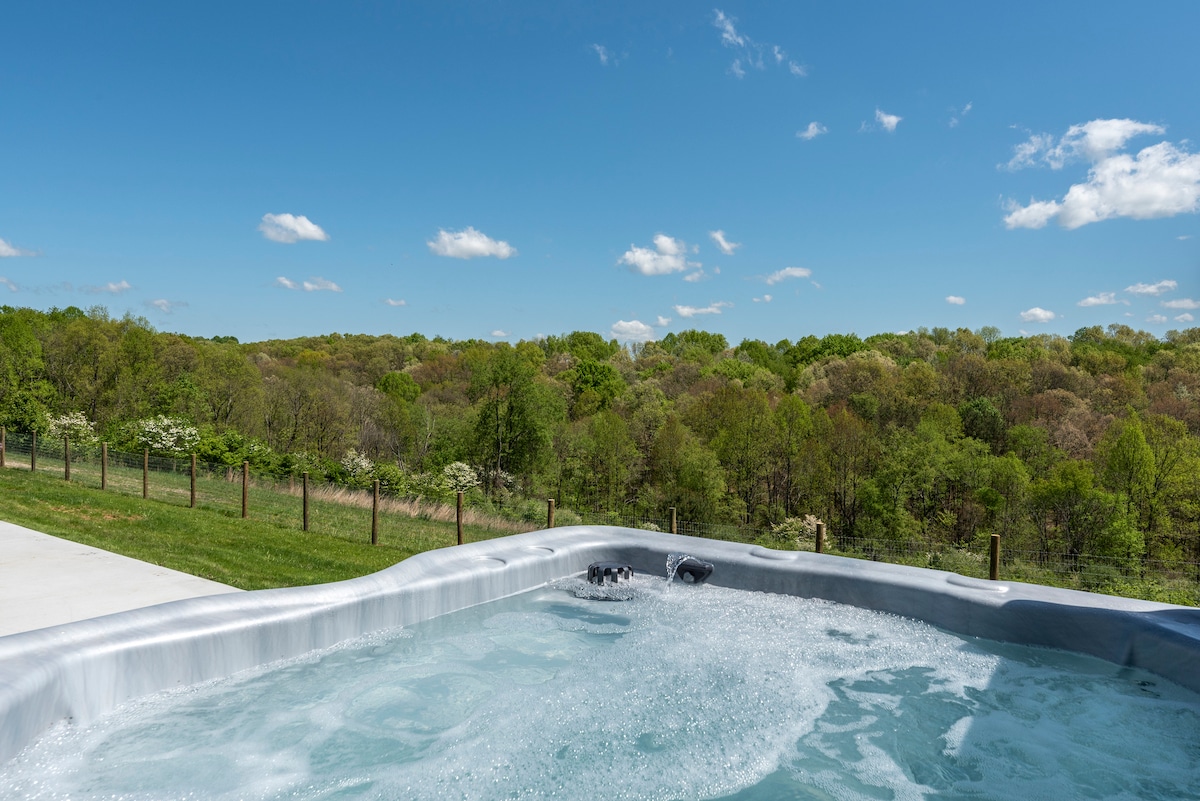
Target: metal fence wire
(358, 514)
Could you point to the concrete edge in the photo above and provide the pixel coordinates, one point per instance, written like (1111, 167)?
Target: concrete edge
(81, 670)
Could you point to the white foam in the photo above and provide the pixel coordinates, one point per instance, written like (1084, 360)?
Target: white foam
(696, 692)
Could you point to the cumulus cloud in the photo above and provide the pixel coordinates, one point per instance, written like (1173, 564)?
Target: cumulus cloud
(764, 299)
(693, 311)
(311, 285)
(1161, 180)
(391, 302)
(289, 228)
(723, 244)
(1182, 303)
(1037, 315)
(695, 277)
(1156, 318)
(1102, 299)
(1185, 318)
(632, 331)
(813, 130)
(958, 114)
(166, 306)
(1184, 238)
(499, 333)
(668, 256)
(112, 288)
(955, 300)
(786, 273)
(888, 121)
(603, 53)
(1093, 141)
(5, 282)
(1160, 288)
(469, 244)
(8, 251)
(752, 54)
(662, 321)
(320, 285)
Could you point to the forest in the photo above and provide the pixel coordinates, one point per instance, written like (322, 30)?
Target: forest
(1087, 445)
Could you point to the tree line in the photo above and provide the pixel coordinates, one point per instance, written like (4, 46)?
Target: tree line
(1085, 445)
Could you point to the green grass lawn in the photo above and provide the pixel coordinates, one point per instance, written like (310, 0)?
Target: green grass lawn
(267, 550)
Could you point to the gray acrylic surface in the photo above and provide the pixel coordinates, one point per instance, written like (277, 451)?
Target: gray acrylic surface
(81, 670)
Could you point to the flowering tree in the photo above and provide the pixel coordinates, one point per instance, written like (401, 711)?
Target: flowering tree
(460, 477)
(171, 436)
(360, 470)
(74, 426)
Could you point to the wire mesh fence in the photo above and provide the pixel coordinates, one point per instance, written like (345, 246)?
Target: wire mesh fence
(294, 502)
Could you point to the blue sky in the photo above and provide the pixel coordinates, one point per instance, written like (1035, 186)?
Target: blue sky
(507, 170)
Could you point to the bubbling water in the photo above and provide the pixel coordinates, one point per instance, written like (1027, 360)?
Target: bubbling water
(704, 693)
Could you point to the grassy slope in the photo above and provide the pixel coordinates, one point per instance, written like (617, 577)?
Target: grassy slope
(212, 543)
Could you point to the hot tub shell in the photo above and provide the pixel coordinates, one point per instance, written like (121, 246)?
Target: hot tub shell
(81, 670)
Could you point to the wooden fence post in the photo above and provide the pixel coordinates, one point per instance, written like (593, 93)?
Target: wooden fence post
(145, 473)
(245, 489)
(375, 514)
(192, 498)
(103, 465)
(66, 458)
(460, 515)
(305, 492)
(549, 513)
(820, 538)
(674, 522)
(33, 454)
(994, 559)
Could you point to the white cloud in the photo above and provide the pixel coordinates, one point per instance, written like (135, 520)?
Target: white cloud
(1093, 141)
(669, 256)
(469, 244)
(1182, 303)
(499, 333)
(1037, 315)
(729, 35)
(723, 244)
(112, 288)
(1035, 215)
(712, 308)
(764, 299)
(695, 277)
(166, 306)
(1152, 289)
(788, 272)
(286, 283)
(955, 300)
(8, 251)
(1184, 238)
(603, 53)
(662, 321)
(5, 282)
(888, 121)
(632, 331)
(288, 228)
(1162, 180)
(1156, 318)
(813, 130)
(959, 114)
(1185, 318)
(391, 302)
(753, 54)
(1102, 299)
(320, 285)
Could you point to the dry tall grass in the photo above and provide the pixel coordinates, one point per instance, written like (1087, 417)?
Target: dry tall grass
(419, 508)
